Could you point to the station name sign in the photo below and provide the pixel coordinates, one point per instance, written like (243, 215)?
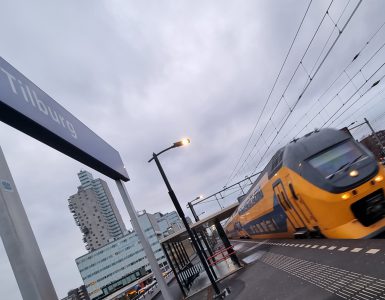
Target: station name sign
(24, 106)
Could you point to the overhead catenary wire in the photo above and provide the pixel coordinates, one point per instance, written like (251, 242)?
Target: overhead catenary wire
(308, 82)
(241, 168)
(360, 107)
(350, 79)
(351, 97)
(343, 72)
(247, 178)
(229, 194)
(270, 93)
(312, 77)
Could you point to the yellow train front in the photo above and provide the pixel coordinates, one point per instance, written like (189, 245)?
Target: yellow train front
(324, 184)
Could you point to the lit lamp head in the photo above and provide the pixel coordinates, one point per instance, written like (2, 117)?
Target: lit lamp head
(182, 142)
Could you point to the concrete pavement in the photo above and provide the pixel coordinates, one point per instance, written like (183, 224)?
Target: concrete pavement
(306, 269)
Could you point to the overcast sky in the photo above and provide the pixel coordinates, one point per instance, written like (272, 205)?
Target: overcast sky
(143, 74)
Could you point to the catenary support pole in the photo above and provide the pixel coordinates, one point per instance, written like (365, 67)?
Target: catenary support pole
(143, 240)
(191, 206)
(20, 243)
(382, 151)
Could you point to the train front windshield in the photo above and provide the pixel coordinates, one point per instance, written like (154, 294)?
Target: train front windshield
(336, 158)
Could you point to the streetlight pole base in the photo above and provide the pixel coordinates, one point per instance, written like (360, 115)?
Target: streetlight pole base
(223, 294)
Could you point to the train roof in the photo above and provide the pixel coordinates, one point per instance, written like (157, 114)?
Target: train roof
(310, 144)
(300, 149)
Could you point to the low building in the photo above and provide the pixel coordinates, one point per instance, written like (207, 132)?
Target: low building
(372, 143)
(169, 222)
(120, 262)
(79, 293)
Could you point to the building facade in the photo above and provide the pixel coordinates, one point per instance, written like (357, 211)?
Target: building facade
(169, 222)
(373, 145)
(95, 212)
(77, 294)
(120, 262)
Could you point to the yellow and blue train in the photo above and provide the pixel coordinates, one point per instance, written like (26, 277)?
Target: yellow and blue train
(324, 184)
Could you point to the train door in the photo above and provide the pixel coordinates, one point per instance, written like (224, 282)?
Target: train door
(292, 214)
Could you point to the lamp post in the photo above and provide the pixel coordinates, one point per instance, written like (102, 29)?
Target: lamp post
(180, 211)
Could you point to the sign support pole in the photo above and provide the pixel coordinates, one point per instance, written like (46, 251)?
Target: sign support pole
(20, 243)
(144, 242)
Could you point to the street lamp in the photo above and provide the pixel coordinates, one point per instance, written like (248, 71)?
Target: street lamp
(178, 208)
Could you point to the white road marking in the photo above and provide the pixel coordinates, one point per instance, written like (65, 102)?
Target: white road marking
(343, 248)
(322, 247)
(302, 245)
(315, 246)
(332, 248)
(372, 251)
(251, 248)
(356, 250)
(253, 257)
(307, 246)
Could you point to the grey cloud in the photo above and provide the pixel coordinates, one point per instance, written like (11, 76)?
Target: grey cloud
(146, 73)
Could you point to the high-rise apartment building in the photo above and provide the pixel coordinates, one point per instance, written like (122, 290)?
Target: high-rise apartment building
(95, 212)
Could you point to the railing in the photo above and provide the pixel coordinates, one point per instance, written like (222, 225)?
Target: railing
(188, 274)
(213, 260)
(150, 290)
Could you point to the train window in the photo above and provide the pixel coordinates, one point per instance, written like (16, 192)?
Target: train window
(336, 158)
(276, 162)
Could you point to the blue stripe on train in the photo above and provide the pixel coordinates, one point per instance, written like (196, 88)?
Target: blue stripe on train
(273, 222)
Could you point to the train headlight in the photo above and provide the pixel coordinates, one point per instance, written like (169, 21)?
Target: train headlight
(353, 173)
(378, 178)
(345, 196)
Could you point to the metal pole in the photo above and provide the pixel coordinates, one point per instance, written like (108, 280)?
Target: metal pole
(243, 192)
(203, 236)
(173, 269)
(178, 208)
(145, 244)
(185, 257)
(20, 243)
(204, 254)
(178, 255)
(185, 252)
(226, 242)
(218, 200)
(376, 136)
(191, 206)
(173, 254)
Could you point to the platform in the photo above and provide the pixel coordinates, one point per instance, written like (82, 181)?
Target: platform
(306, 269)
